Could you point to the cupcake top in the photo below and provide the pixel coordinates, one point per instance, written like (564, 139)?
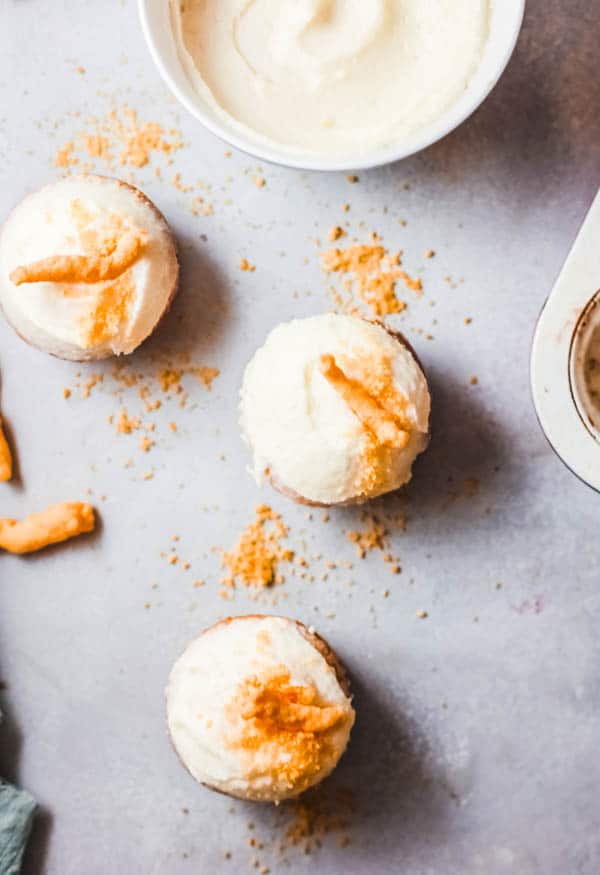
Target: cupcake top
(87, 267)
(256, 710)
(335, 409)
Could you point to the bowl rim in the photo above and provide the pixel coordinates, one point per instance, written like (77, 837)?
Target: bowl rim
(389, 154)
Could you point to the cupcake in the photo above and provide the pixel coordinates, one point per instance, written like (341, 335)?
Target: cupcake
(335, 410)
(259, 708)
(88, 267)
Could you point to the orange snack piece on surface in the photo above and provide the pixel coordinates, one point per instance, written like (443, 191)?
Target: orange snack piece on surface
(57, 523)
(5, 457)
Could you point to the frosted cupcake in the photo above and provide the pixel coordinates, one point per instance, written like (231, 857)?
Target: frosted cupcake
(259, 708)
(335, 410)
(88, 267)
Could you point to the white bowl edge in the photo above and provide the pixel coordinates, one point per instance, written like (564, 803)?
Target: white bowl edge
(507, 19)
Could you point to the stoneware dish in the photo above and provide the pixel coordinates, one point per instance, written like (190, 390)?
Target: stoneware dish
(507, 17)
(565, 360)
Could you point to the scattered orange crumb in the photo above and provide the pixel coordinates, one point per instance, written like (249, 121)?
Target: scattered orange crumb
(305, 824)
(422, 615)
(148, 475)
(352, 178)
(96, 146)
(429, 253)
(206, 375)
(255, 558)
(126, 424)
(335, 233)
(179, 185)
(119, 133)
(90, 384)
(201, 208)
(172, 559)
(66, 393)
(146, 444)
(64, 155)
(259, 182)
(198, 583)
(245, 265)
(372, 537)
(365, 265)
(468, 320)
(172, 426)
(474, 381)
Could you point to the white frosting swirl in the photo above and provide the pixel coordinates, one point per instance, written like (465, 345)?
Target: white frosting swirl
(325, 75)
(84, 320)
(209, 716)
(303, 433)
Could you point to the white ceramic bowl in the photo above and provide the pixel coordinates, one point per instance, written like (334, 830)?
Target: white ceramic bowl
(507, 17)
(569, 416)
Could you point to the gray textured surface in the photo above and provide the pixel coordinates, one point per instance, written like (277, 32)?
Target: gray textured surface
(476, 748)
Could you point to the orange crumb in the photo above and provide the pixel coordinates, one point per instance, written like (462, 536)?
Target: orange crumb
(422, 615)
(245, 265)
(363, 266)
(146, 444)
(336, 232)
(474, 381)
(126, 424)
(352, 178)
(205, 374)
(259, 182)
(170, 378)
(90, 384)
(372, 537)
(172, 426)
(96, 146)
(172, 559)
(429, 253)
(255, 558)
(309, 821)
(200, 208)
(66, 393)
(120, 132)
(176, 181)
(64, 156)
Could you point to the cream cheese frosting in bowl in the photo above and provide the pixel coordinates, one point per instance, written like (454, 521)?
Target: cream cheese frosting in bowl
(258, 707)
(331, 84)
(335, 409)
(88, 267)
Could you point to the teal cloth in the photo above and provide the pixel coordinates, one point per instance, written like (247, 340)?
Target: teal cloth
(17, 808)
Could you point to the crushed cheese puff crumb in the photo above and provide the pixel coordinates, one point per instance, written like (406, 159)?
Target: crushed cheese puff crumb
(255, 559)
